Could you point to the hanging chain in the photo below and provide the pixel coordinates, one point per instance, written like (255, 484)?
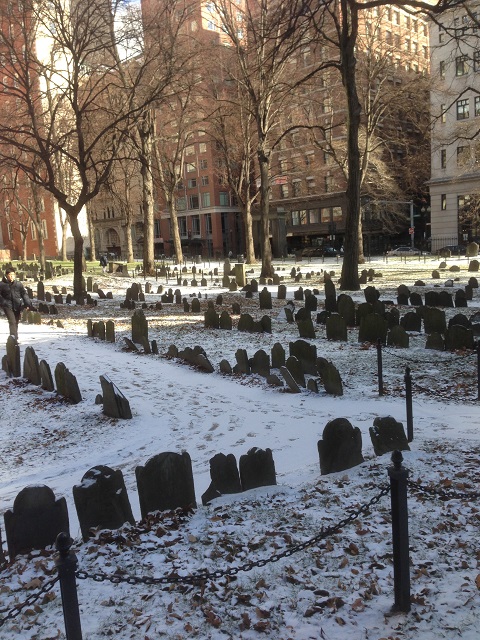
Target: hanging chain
(18, 608)
(203, 575)
(443, 493)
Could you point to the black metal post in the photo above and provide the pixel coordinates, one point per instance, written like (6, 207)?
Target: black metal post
(408, 400)
(66, 563)
(380, 367)
(401, 558)
(478, 369)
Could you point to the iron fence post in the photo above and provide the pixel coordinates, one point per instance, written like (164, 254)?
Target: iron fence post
(401, 558)
(66, 563)
(478, 369)
(408, 400)
(380, 367)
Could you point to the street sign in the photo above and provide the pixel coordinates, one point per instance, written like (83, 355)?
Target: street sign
(411, 231)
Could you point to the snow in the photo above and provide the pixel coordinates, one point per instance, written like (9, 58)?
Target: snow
(337, 587)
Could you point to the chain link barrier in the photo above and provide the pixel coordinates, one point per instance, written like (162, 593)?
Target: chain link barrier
(402, 357)
(445, 494)
(203, 575)
(34, 597)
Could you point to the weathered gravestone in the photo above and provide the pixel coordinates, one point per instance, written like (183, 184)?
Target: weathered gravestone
(295, 368)
(336, 328)
(110, 331)
(398, 337)
(306, 353)
(101, 501)
(31, 367)
(166, 482)
(281, 292)
(388, 435)
(473, 265)
(373, 327)
(211, 319)
(225, 321)
(346, 308)
(245, 323)
(305, 327)
(459, 338)
(435, 341)
(35, 520)
(340, 447)
(290, 380)
(224, 475)
(434, 320)
(46, 376)
(257, 469)
(243, 363)
(139, 326)
(278, 356)
(260, 363)
(66, 383)
(330, 296)
(461, 298)
(330, 377)
(195, 305)
(265, 299)
(115, 404)
(363, 309)
(411, 321)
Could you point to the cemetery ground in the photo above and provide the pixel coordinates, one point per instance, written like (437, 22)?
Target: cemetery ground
(336, 588)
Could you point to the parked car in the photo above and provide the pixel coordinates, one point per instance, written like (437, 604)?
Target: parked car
(329, 252)
(404, 251)
(455, 250)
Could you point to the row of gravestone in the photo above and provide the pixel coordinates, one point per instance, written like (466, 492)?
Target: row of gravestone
(302, 369)
(166, 482)
(38, 373)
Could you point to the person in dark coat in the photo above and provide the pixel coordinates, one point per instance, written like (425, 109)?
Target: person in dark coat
(103, 263)
(13, 299)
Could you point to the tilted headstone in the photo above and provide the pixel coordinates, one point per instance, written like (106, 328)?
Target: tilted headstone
(31, 367)
(295, 367)
(257, 469)
(46, 376)
(225, 367)
(388, 435)
(290, 380)
(139, 326)
(330, 377)
(165, 483)
(11, 361)
(115, 404)
(340, 447)
(35, 520)
(66, 383)
(101, 500)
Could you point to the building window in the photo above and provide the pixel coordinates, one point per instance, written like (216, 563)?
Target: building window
(202, 147)
(156, 229)
(204, 181)
(203, 164)
(463, 154)
(328, 184)
(190, 166)
(33, 230)
(310, 186)
(44, 229)
(190, 150)
(224, 200)
(297, 188)
(195, 225)
(443, 158)
(396, 17)
(208, 224)
(182, 226)
(284, 190)
(442, 68)
(10, 231)
(463, 110)
(192, 182)
(443, 202)
(193, 202)
(461, 65)
(314, 216)
(477, 105)
(443, 113)
(476, 60)
(181, 203)
(206, 199)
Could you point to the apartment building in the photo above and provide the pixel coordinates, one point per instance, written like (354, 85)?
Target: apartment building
(308, 186)
(455, 144)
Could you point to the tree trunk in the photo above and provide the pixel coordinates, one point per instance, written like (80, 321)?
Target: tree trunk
(177, 242)
(349, 278)
(128, 242)
(265, 246)
(248, 224)
(78, 257)
(91, 235)
(361, 252)
(146, 130)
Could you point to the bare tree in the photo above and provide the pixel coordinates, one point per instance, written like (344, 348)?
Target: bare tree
(83, 73)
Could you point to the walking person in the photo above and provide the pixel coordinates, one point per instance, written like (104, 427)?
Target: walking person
(103, 263)
(13, 299)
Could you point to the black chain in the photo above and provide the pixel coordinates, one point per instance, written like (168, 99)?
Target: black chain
(442, 493)
(18, 608)
(416, 361)
(203, 575)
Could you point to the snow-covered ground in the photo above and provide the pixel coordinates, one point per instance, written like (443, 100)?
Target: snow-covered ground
(337, 588)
